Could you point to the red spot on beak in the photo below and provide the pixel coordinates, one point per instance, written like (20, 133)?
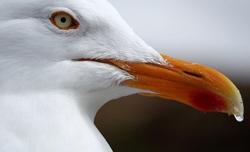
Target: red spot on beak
(207, 101)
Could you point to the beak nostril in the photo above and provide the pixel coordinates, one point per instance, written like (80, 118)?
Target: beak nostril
(193, 74)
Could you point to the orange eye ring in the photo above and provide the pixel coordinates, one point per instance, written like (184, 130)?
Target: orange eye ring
(64, 21)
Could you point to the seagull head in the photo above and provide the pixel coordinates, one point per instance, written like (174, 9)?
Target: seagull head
(85, 47)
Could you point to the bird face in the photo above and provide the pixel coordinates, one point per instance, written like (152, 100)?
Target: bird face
(34, 35)
(86, 45)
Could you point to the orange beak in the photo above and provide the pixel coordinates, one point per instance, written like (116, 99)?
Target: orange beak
(195, 85)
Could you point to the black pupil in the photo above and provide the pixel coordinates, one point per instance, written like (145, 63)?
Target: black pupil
(63, 19)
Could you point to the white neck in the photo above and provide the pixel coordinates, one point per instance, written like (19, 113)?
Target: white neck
(53, 121)
(47, 122)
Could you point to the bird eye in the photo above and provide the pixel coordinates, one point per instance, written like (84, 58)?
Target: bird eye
(64, 21)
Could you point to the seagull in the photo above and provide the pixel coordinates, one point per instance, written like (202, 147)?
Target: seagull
(62, 60)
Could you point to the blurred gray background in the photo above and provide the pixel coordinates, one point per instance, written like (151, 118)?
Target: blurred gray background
(215, 33)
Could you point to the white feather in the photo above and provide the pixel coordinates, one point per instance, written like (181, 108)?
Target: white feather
(47, 101)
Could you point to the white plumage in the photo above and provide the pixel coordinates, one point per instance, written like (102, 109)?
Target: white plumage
(48, 100)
